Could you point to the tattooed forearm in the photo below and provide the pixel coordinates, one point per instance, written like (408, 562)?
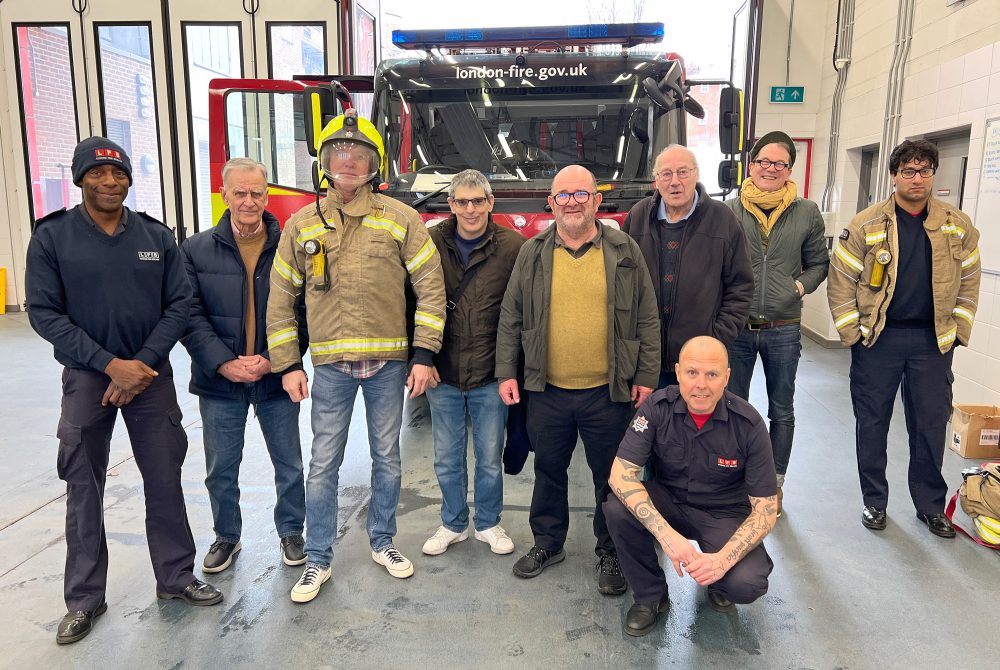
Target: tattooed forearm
(752, 530)
(630, 490)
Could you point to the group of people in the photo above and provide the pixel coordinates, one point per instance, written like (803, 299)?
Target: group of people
(624, 339)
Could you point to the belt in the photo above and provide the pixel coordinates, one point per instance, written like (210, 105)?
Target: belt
(769, 324)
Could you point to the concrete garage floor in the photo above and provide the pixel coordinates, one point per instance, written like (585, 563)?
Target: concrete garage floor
(841, 596)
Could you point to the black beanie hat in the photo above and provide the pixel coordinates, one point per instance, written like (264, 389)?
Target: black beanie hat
(774, 137)
(95, 151)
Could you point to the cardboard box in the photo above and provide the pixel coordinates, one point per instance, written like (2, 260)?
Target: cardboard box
(975, 431)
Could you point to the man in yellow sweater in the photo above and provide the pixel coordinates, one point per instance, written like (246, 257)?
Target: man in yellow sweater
(580, 306)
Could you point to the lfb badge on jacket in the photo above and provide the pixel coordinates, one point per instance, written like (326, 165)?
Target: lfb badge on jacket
(844, 234)
(640, 424)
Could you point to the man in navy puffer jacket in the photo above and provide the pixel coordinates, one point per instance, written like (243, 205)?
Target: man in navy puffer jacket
(229, 269)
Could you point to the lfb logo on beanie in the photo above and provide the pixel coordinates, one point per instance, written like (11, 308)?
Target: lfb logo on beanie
(107, 153)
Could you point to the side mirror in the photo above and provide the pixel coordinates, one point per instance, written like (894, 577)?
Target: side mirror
(319, 105)
(730, 176)
(730, 121)
(656, 95)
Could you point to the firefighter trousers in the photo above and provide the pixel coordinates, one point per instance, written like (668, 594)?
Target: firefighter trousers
(909, 356)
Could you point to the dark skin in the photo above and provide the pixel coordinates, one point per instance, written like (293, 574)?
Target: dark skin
(104, 190)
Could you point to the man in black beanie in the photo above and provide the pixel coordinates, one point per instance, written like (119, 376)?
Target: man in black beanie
(107, 287)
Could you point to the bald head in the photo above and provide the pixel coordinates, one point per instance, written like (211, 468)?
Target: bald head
(573, 174)
(702, 373)
(705, 346)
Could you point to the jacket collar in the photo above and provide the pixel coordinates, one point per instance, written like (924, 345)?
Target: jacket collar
(703, 198)
(364, 203)
(939, 212)
(449, 230)
(223, 230)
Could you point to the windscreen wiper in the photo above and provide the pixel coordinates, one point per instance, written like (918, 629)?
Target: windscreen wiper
(424, 198)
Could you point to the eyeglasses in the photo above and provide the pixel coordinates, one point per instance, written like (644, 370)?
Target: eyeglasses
(579, 196)
(767, 163)
(910, 173)
(462, 203)
(667, 175)
(242, 195)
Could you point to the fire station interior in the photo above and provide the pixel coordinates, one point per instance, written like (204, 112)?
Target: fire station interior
(873, 72)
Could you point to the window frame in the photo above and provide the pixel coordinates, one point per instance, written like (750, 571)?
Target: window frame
(192, 139)
(156, 107)
(18, 77)
(281, 24)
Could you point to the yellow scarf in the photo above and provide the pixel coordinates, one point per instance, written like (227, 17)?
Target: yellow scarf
(755, 200)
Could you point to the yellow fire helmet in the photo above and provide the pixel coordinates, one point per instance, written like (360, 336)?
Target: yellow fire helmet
(350, 150)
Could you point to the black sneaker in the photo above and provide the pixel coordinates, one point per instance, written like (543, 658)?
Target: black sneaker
(610, 580)
(220, 556)
(293, 550)
(537, 559)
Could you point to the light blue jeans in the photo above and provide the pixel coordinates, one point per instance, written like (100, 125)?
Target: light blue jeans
(449, 405)
(333, 395)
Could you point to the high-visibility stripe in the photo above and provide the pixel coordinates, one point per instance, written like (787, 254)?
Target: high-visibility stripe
(281, 336)
(310, 232)
(849, 258)
(971, 259)
(359, 345)
(423, 318)
(864, 330)
(845, 319)
(948, 337)
(287, 271)
(421, 257)
(952, 229)
(388, 225)
(964, 313)
(872, 238)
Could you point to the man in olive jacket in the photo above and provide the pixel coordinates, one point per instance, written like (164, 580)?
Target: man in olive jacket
(696, 255)
(786, 240)
(581, 306)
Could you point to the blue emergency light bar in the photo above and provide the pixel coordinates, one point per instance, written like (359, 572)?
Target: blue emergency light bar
(625, 34)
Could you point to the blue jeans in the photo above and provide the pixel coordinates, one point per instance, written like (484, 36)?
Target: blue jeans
(224, 422)
(779, 348)
(451, 439)
(333, 396)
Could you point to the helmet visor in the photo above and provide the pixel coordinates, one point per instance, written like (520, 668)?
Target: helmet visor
(349, 163)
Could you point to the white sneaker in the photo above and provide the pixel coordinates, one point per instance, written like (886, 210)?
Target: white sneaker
(497, 538)
(397, 564)
(309, 583)
(443, 537)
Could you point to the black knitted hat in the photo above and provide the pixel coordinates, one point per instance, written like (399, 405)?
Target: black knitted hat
(95, 151)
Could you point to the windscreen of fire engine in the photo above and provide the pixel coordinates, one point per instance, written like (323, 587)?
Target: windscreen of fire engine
(524, 134)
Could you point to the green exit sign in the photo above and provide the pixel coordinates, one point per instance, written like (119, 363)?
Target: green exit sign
(788, 93)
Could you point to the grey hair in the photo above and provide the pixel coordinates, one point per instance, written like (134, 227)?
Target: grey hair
(470, 179)
(242, 163)
(694, 159)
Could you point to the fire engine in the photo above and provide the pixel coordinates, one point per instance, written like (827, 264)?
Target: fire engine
(517, 104)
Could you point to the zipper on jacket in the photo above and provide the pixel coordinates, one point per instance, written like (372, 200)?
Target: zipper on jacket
(763, 283)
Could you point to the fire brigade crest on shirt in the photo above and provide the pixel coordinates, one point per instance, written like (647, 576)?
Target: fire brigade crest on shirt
(640, 424)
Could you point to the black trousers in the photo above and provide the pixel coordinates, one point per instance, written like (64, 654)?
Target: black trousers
(744, 583)
(555, 418)
(153, 421)
(911, 356)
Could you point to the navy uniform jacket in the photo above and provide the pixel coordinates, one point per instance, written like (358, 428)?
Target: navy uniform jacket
(96, 297)
(716, 468)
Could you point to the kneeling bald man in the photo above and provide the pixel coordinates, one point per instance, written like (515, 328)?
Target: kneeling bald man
(713, 481)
